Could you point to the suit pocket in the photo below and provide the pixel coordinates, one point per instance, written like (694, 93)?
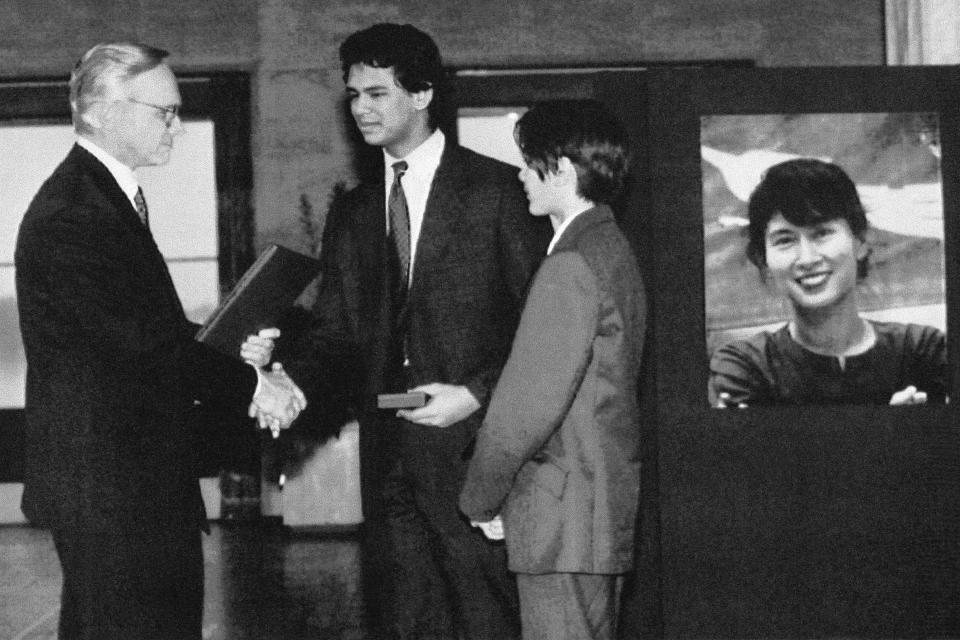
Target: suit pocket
(534, 516)
(551, 476)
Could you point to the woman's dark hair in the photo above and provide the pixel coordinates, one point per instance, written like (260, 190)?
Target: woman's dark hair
(805, 192)
(584, 131)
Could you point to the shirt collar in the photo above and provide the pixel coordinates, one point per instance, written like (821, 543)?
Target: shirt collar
(426, 157)
(123, 174)
(563, 227)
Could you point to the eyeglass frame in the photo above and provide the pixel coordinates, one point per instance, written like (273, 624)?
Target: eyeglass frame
(170, 113)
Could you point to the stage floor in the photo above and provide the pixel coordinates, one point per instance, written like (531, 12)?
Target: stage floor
(263, 582)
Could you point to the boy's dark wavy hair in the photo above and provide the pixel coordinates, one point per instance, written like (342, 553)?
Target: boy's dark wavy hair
(584, 131)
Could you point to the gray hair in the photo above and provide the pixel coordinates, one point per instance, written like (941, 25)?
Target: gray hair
(103, 68)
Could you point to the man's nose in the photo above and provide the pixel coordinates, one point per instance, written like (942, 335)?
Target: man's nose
(359, 105)
(176, 126)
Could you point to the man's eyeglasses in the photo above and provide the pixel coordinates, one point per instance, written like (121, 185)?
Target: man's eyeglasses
(169, 113)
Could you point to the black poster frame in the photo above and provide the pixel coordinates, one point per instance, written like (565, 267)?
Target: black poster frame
(794, 521)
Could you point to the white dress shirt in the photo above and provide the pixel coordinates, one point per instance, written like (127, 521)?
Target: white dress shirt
(123, 174)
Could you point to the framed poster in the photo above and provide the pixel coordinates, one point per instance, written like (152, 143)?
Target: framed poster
(792, 315)
(802, 519)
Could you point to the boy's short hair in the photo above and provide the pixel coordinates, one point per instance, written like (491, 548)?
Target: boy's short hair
(584, 131)
(411, 53)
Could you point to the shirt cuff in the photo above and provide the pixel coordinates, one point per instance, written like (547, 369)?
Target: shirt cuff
(259, 371)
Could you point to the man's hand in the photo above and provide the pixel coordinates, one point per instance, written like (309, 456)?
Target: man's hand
(492, 529)
(449, 403)
(257, 350)
(278, 400)
(909, 395)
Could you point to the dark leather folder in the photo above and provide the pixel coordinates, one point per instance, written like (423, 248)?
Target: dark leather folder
(267, 289)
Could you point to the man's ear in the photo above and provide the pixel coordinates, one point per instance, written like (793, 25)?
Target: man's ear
(99, 114)
(422, 99)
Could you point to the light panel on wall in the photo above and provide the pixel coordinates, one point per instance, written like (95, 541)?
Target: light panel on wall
(489, 131)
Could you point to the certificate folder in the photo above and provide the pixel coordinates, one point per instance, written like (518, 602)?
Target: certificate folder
(267, 289)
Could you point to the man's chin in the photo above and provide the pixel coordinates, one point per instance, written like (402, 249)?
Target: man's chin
(160, 158)
(372, 138)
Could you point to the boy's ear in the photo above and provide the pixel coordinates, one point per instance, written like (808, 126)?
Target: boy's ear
(566, 171)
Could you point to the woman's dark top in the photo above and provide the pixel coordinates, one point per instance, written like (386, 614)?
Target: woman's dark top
(773, 369)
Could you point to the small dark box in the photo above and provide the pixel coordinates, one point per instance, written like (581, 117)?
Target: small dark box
(409, 400)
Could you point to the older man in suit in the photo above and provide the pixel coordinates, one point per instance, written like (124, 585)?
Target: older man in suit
(113, 369)
(558, 453)
(424, 273)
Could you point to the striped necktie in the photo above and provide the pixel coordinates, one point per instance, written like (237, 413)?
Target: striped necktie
(142, 208)
(400, 222)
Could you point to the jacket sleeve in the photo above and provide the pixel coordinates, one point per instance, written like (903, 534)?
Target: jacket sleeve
(95, 300)
(550, 354)
(323, 358)
(736, 369)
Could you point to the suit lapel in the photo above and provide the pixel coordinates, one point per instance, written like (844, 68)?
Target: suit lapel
(124, 209)
(109, 188)
(444, 210)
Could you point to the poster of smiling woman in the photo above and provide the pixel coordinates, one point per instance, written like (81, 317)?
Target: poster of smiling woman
(823, 261)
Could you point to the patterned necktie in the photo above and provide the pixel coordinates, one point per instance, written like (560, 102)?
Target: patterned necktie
(400, 222)
(142, 208)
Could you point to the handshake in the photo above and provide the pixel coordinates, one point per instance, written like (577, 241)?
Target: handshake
(278, 400)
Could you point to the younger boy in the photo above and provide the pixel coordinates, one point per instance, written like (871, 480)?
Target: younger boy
(557, 457)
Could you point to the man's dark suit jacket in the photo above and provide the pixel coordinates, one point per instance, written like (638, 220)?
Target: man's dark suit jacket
(112, 368)
(478, 248)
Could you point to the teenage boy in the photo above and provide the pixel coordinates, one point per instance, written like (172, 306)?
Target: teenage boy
(556, 464)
